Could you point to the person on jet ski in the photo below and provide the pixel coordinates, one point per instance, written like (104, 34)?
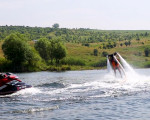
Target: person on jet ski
(2, 80)
(10, 83)
(5, 78)
(114, 63)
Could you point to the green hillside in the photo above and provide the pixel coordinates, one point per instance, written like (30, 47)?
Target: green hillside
(87, 48)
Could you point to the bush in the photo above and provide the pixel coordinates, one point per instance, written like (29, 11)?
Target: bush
(95, 52)
(101, 63)
(147, 51)
(62, 68)
(104, 54)
(86, 44)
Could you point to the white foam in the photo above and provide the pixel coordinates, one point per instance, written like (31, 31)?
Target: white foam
(28, 91)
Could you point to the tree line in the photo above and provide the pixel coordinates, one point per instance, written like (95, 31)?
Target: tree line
(21, 56)
(73, 35)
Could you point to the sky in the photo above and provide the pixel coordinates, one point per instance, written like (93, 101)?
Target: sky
(94, 14)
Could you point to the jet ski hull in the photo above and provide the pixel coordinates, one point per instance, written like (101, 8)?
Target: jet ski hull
(13, 87)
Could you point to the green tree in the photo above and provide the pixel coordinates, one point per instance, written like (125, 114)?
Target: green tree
(60, 52)
(35, 62)
(51, 50)
(42, 46)
(16, 49)
(56, 25)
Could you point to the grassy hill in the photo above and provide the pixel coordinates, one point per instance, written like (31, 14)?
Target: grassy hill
(134, 53)
(81, 43)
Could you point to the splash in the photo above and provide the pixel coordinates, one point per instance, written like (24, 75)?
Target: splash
(27, 92)
(127, 67)
(108, 65)
(131, 77)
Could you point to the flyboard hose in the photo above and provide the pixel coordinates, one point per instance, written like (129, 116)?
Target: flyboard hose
(120, 66)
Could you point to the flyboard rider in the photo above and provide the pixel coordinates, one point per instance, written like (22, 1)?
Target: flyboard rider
(115, 63)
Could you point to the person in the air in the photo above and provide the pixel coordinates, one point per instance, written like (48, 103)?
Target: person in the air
(114, 63)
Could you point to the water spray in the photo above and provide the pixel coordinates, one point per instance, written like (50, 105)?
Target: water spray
(108, 65)
(125, 64)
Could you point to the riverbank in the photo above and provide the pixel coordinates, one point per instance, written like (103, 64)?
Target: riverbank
(81, 58)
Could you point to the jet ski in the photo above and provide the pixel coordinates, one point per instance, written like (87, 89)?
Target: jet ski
(10, 83)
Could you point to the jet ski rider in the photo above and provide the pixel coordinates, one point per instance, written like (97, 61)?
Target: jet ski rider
(2, 81)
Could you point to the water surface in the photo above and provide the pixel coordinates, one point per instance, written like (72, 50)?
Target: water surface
(79, 95)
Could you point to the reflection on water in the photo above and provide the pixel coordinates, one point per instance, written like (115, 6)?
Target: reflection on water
(91, 94)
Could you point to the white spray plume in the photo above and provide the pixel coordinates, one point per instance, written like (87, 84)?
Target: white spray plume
(131, 75)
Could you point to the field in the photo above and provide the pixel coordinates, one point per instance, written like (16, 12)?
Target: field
(134, 53)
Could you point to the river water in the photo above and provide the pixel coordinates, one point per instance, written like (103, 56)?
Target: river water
(79, 95)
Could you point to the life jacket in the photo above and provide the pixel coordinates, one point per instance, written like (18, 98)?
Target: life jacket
(114, 63)
(4, 80)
